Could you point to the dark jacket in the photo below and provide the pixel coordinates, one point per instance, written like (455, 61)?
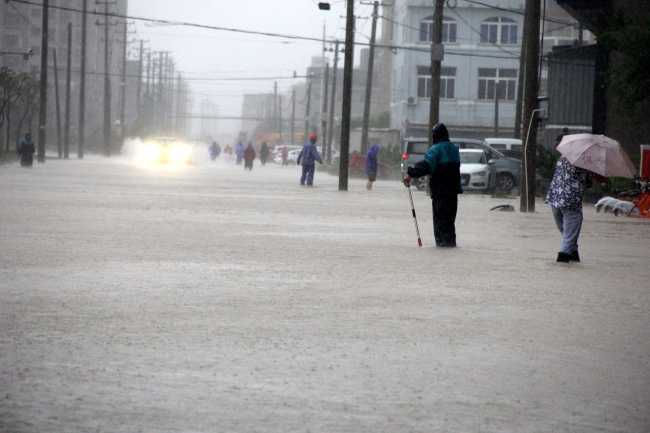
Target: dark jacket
(442, 164)
(249, 153)
(26, 151)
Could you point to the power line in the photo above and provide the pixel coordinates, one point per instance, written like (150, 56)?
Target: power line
(236, 30)
(519, 12)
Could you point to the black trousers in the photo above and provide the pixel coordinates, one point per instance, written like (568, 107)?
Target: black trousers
(445, 208)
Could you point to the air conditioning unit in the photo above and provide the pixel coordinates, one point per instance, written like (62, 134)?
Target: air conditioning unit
(410, 101)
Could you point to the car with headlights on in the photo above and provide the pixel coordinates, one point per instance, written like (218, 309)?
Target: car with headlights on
(166, 150)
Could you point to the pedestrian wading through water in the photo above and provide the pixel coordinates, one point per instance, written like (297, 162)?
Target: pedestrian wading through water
(442, 164)
(307, 158)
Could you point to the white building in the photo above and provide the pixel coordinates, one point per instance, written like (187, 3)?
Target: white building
(482, 46)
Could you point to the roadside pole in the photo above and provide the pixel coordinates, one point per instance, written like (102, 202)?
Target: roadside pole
(82, 83)
(436, 61)
(68, 85)
(347, 98)
(531, 31)
(57, 100)
(42, 112)
(330, 132)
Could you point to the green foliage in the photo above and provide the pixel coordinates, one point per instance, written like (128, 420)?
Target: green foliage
(546, 161)
(629, 39)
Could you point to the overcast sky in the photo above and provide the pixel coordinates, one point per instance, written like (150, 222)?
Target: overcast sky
(210, 53)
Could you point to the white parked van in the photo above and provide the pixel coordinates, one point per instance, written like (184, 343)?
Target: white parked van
(508, 146)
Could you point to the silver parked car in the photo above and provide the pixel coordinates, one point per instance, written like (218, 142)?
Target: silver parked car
(504, 170)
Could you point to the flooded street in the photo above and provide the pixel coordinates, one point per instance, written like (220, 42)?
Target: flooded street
(212, 299)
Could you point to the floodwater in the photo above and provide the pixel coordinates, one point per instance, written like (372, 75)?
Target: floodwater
(207, 298)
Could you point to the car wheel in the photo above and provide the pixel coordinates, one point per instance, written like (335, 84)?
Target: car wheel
(505, 182)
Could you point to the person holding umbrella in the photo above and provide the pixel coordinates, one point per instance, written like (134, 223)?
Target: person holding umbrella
(584, 156)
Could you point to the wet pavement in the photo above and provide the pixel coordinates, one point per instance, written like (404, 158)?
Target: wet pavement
(208, 299)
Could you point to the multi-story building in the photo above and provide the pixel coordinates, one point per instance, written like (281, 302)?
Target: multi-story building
(20, 30)
(482, 46)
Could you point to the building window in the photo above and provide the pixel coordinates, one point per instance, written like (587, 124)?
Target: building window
(449, 30)
(447, 82)
(499, 30)
(487, 79)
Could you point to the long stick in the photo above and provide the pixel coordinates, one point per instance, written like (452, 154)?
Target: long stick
(415, 218)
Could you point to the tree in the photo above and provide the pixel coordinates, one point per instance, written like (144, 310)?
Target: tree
(628, 39)
(18, 94)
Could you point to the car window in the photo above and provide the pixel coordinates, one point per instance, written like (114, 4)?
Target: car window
(499, 146)
(417, 147)
(518, 154)
(472, 158)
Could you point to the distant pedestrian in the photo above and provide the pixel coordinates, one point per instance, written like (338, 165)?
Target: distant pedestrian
(26, 150)
(442, 164)
(249, 157)
(308, 157)
(239, 152)
(372, 165)
(285, 155)
(565, 199)
(264, 153)
(215, 150)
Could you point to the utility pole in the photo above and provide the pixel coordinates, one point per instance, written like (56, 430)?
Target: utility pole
(68, 82)
(42, 113)
(138, 92)
(82, 84)
(148, 106)
(159, 92)
(307, 109)
(107, 84)
(335, 73)
(275, 107)
(531, 30)
(59, 143)
(323, 111)
(436, 61)
(371, 61)
(496, 107)
(292, 125)
(520, 87)
(123, 86)
(347, 97)
(280, 117)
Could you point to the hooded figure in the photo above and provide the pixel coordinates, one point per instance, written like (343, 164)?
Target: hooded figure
(239, 152)
(249, 156)
(308, 157)
(371, 165)
(264, 153)
(26, 151)
(442, 164)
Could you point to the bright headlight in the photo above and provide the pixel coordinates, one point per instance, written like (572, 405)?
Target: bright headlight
(151, 152)
(180, 154)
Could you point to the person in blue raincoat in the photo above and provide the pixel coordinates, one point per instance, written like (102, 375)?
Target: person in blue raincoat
(442, 164)
(239, 152)
(372, 165)
(308, 157)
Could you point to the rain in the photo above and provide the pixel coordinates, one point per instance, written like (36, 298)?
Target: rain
(343, 216)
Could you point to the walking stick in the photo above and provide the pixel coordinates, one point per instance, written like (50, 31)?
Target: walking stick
(415, 218)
